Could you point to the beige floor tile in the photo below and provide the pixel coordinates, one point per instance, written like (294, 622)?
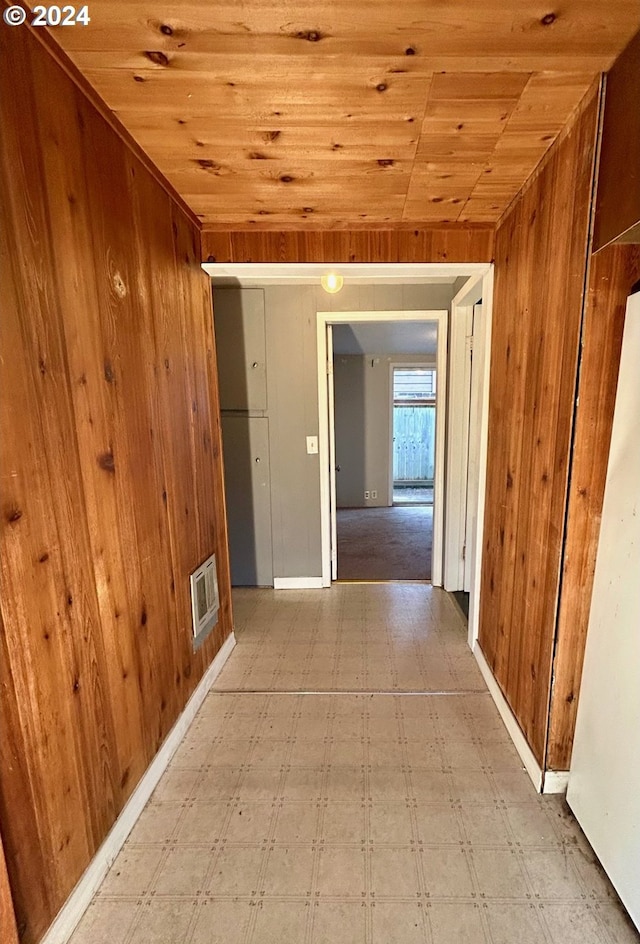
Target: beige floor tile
(446, 873)
(472, 786)
(303, 783)
(515, 924)
(394, 873)
(438, 823)
(133, 872)
(177, 784)
(459, 923)
(341, 872)
(345, 783)
(462, 755)
(263, 783)
(345, 753)
(297, 821)
(339, 921)
(390, 823)
(183, 872)
(431, 786)
(343, 822)
(280, 922)
(229, 753)
(288, 871)
(235, 872)
(387, 784)
(499, 873)
(222, 922)
(592, 875)
(217, 783)
(249, 821)
(617, 923)
(203, 821)
(397, 923)
(552, 874)
(105, 922)
(485, 824)
(572, 924)
(157, 822)
(530, 825)
(268, 753)
(164, 922)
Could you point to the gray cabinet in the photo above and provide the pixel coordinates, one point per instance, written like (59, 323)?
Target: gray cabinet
(240, 341)
(248, 492)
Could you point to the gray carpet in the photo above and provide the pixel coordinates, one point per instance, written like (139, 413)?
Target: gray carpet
(385, 543)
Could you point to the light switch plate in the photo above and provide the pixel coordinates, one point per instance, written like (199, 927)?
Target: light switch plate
(312, 445)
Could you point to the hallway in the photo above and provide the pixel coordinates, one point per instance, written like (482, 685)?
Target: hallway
(350, 816)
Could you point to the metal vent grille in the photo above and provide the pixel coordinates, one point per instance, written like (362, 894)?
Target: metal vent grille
(205, 601)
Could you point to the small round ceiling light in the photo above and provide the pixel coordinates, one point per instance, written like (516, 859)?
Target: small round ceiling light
(331, 282)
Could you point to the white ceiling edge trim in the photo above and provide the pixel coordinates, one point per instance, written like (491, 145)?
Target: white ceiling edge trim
(285, 273)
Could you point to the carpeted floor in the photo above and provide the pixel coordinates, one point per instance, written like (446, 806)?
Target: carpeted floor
(385, 543)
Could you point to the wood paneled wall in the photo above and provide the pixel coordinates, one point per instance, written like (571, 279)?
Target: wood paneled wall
(438, 243)
(613, 272)
(618, 197)
(8, 930)
(111, 489)
(541, 253)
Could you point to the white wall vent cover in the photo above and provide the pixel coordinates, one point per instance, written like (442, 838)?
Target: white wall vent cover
(205, 601)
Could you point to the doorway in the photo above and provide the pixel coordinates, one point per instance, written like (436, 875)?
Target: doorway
(390, 541)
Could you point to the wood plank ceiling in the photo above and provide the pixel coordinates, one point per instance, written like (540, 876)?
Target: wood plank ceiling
(289, 114)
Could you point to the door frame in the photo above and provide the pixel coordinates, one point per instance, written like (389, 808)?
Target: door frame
(461, 396)
(326, 426)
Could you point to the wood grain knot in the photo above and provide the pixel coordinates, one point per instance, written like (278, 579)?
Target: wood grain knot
(258, 156)
(381, 87)
(311, 36)
(165, 29)
(14, 515)
(410, 51)
(109, 375)
(386, 162)
(139, 78)
(207, 164)
(157, 57)
(287, 179)
(118, 285)
(548, 19)
(107, 462)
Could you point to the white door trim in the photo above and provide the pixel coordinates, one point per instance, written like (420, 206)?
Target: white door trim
(325, 318)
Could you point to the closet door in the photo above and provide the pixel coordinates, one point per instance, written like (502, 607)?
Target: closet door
(245, 443)
(238, 316)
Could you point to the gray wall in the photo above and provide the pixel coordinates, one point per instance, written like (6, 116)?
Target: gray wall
(292, 404)
(362, 386)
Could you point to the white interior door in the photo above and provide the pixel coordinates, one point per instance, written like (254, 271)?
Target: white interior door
(604, 781)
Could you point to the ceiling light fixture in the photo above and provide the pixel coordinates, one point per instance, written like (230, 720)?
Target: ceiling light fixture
(331, 282)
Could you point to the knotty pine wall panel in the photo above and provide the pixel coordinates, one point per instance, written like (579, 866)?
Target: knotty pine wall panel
(438, 243)
(613, 272)
(111, 488)
(541, 253)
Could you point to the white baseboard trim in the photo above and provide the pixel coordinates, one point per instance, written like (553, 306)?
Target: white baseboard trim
(80, 898)
(297, 583)
(555, 781)
(526, 754)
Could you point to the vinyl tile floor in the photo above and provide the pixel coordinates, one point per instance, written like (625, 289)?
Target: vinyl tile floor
(352, 816)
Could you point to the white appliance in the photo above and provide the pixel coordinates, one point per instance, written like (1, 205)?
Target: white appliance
(604, 781)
